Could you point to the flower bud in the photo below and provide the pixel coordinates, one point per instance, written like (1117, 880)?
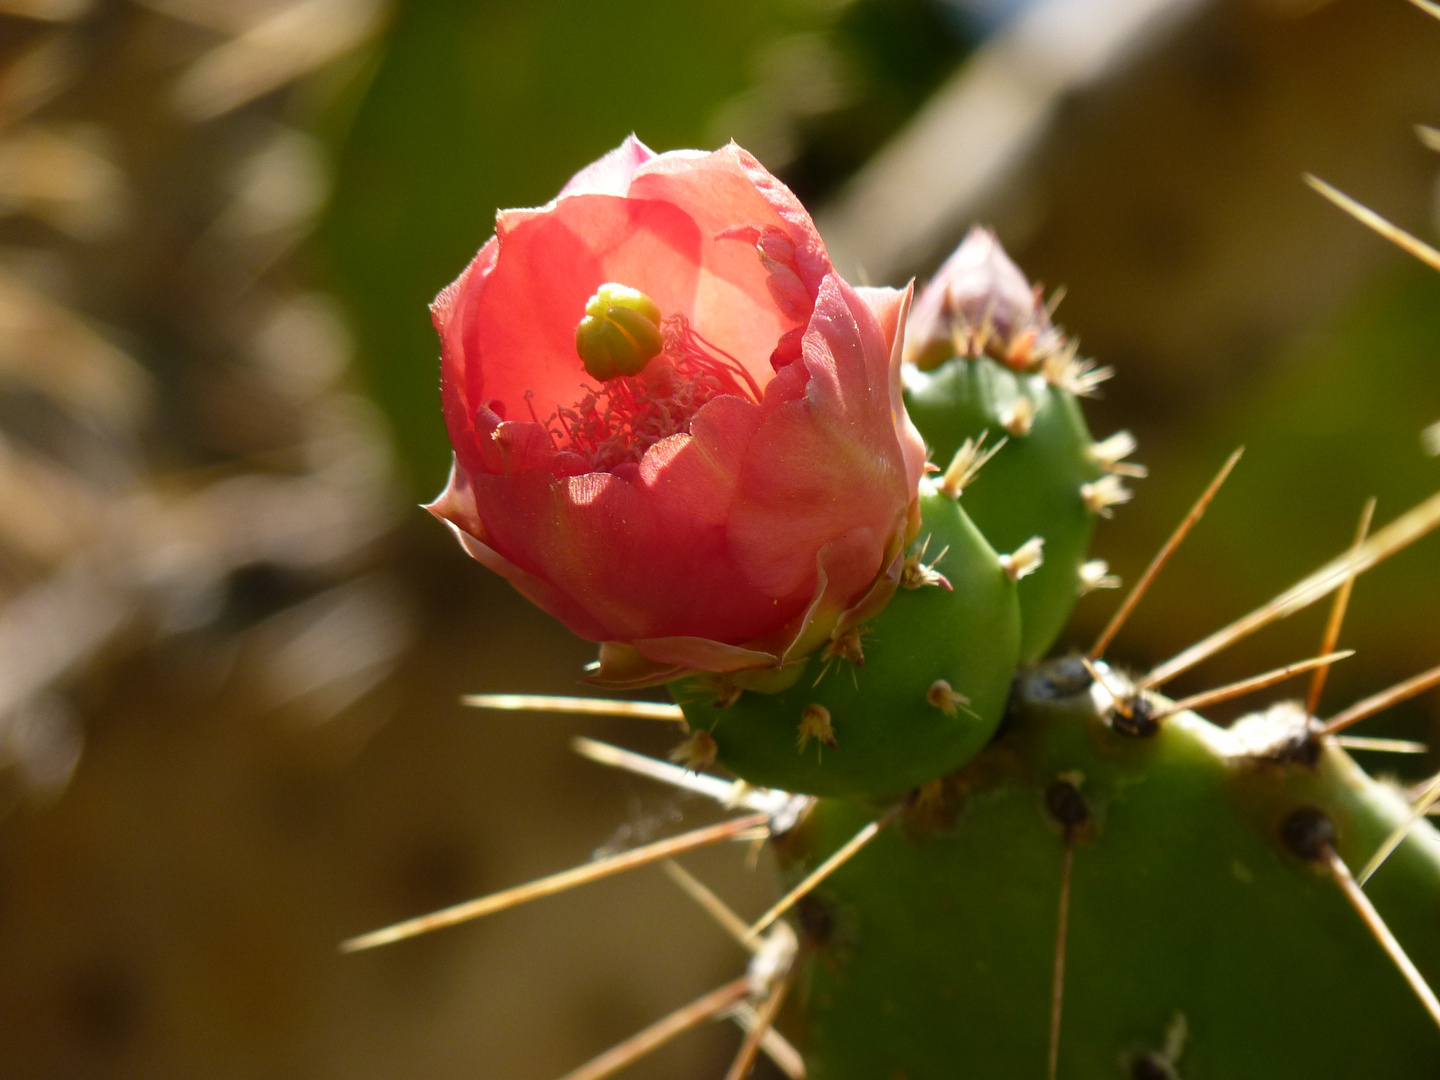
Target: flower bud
(980, 304)
(620, 332)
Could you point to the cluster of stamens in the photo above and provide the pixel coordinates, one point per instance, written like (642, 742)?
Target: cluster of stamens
(618, 421)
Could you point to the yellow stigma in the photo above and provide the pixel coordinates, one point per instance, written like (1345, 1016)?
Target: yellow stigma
(620, 332)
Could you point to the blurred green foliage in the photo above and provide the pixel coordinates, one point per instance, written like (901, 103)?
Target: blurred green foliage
(477, 106)
(1336, 420)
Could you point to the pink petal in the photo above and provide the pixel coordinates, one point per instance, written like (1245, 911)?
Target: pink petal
(729, 194)
(454, 508)
(891, 307)
(701, 654)
(635, 562)
(611, 174)
(447, 312)
(827, 463)
(512, 330)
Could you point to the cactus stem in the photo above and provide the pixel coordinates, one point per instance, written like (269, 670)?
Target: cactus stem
(1157, 564)
(1101, 496)
(1025, 559)
(1418, 521)
(1337, 613)
(1062, 931)
(1067, 806)
(1376, 925)
(1429, 796)
(662, 1031)
(1307, 832)
(842, 855)
(556, 883)
(582, 706)
(764, 1018)
(1363, 710)
(1411, 245)
(1250, 685)
(966, 464)
(713, 906)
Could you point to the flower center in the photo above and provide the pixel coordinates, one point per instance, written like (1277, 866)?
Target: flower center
(616, 422)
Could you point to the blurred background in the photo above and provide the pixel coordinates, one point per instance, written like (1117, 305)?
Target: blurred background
(231, 645)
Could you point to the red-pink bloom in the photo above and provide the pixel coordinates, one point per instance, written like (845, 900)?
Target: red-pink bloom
(741, 497)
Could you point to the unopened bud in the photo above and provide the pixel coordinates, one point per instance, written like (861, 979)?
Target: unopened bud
(620, 332)
(979, 303)
(1025, 559)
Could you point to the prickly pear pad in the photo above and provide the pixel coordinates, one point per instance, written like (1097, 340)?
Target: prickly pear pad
(892, 728)
(1032, 487)
(1187, 915)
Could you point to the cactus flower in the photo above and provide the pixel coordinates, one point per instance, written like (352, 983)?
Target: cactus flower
(675, 427)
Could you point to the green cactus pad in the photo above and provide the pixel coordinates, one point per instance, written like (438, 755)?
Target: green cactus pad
(889, 736)
(1030, 488)
(1187, 915)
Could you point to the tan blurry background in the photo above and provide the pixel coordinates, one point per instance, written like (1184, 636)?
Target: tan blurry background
(231, 647)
